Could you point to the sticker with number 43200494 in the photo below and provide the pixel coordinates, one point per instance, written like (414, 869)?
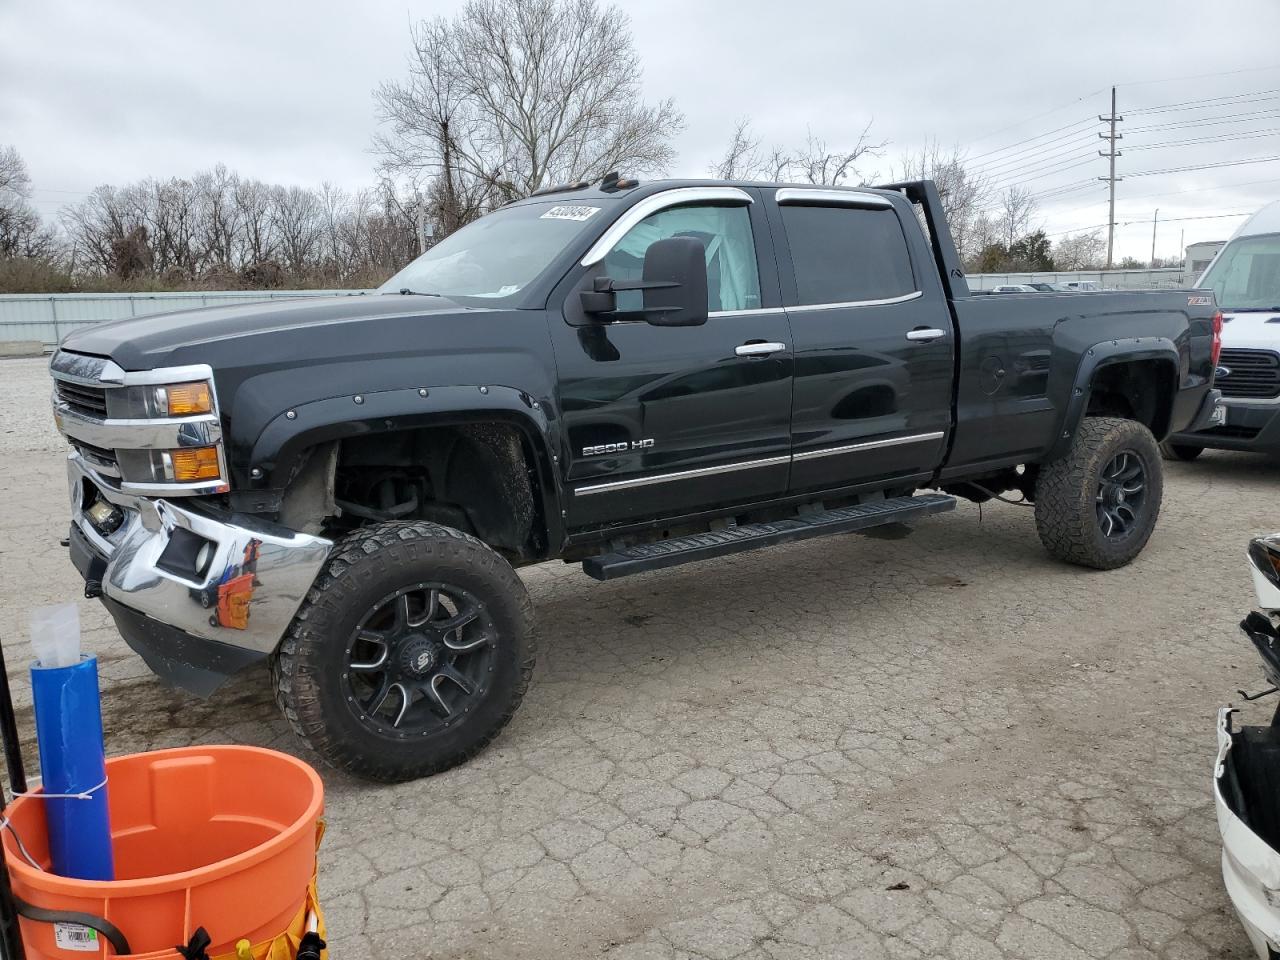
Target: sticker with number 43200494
(1219, 416)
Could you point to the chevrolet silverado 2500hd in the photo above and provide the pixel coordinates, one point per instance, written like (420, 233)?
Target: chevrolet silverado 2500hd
(627, 375)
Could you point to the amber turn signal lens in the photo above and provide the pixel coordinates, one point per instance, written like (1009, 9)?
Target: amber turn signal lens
(186, 398)
(197, 463)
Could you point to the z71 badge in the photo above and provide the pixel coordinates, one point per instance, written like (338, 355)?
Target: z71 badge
(617, 447)
(1199, 301)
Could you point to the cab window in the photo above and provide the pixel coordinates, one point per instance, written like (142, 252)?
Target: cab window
(733, 281)
(847, 254)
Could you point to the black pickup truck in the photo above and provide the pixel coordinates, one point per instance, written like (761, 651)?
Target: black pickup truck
(627, 375)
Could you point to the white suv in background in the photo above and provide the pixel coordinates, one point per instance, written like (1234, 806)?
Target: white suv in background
(1245, 278)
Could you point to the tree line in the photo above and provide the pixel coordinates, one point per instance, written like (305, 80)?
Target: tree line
(505, 98)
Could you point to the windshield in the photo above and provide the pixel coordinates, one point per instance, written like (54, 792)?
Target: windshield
(1247, 274)
(494, 258)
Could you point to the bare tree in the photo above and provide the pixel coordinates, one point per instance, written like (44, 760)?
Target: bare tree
(741, 159)
(217, 229)
(962, 191)
(813, 162)
(1080, 251)
(513, 95)
(296, 219)
(22, 233)
(1017, 208)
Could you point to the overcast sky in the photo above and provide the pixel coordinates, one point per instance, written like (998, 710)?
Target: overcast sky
(97, 92)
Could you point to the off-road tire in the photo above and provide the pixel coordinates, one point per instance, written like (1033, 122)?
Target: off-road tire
(1067, 491)
(363, 568)
(1179, 451)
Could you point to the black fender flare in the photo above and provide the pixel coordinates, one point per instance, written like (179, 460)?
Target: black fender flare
(1104, 354)
(279, 449)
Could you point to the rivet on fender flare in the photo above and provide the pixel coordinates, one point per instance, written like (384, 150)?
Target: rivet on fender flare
(484, 389)
(291, 414)
(358, 399)
(422, 391)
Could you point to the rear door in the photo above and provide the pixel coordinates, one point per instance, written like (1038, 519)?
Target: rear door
(872, 335)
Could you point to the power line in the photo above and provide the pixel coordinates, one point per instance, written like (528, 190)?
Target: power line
(1215, 138)
(1197, 76)
(1019, 123)
(1041, 136)
(1228, 186)
(1209, 103)
(1206, 121)
(1077, 140)
(1033, 149)
(1204, 166)
(1020, 179)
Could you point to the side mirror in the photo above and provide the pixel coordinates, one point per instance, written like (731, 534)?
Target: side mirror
(674, 285)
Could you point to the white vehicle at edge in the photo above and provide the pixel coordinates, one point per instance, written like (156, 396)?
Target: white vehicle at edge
(1245, 278)
(1246, 781)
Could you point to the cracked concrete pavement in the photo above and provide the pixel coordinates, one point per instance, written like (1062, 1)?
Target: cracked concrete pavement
(946, 745)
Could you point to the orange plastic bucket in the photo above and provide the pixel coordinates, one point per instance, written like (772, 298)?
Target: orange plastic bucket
(217, 837)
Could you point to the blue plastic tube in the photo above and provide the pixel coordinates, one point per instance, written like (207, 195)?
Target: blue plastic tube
(69, 732)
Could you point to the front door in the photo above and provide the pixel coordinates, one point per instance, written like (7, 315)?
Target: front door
(663, 421)
(873, 341)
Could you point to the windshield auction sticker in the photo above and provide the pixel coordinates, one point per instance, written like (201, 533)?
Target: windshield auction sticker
(570, 213)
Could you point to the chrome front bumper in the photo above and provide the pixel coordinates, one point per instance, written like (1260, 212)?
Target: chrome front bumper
(269, 567)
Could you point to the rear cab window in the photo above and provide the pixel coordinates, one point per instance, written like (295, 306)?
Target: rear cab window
(848, 254)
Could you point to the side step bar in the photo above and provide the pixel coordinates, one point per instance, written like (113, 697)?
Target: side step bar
(720, 543)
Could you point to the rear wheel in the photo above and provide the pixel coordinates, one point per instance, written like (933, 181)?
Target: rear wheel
(1179, 451)
(1097, 505)
(411, 652)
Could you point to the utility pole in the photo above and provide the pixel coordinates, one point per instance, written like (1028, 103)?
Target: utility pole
(1111, 177)
(422, 223)
(1155, 220)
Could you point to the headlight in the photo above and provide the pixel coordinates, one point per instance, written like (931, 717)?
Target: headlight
(1264, 564)
(164, 401)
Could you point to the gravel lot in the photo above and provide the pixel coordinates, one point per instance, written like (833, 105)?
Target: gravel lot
(940, 746)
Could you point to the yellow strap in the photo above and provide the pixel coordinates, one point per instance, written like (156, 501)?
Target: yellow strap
(284, 945)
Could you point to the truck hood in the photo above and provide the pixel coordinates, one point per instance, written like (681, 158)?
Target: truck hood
(1257, 331)
(261, 330)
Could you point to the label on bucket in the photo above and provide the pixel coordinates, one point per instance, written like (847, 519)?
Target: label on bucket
(74, 936)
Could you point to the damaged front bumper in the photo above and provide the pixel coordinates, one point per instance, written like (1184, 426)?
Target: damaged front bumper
(199, 593)
(1246, 790)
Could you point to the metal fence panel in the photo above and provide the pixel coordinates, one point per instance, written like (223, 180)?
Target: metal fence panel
(49, 317)
(1171, 278)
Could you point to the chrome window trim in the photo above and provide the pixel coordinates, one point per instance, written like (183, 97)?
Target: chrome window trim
(868, 445)
(820, 197)
(678, 475)
(887, 301)
(633, 482)
(674, 197)
(747, 312)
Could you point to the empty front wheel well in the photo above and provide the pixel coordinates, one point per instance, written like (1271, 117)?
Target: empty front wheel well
(476, 477)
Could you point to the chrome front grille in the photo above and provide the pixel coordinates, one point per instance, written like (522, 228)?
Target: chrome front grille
(82, 398)
(100, 458)
(1255, 374)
